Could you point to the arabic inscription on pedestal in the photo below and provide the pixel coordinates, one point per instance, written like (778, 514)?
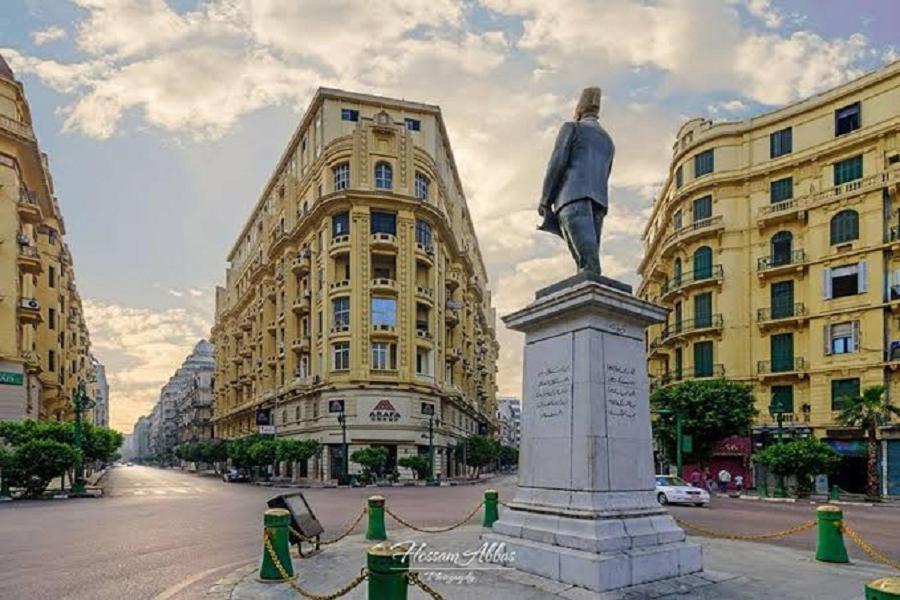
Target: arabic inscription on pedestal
(621, 392)
(552, 391)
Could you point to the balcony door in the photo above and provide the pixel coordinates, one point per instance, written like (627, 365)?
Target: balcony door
(782, 297)
(782, 247)
(782, 347)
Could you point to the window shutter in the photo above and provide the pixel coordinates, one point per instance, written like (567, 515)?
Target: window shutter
(826, 335)
(826, 283)
(862, 275)
(856, 338)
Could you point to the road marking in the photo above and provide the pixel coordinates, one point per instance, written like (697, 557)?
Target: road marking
(159, 492)
(139, 492)
(175, 589)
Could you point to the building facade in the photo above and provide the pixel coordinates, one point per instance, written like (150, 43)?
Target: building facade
(775, 245)
(101, 393)
(357, 285)
(44, 341)
(509, 421)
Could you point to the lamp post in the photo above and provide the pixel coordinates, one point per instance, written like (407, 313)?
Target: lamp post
(432, 421)
(345, 472)
(777, 409)
(81, 403)
(679, 436)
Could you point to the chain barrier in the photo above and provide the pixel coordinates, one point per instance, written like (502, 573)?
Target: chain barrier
(363, 575)
(748, 538)
(437, 530)
(417, 581)
(866, 547)
(347, 531)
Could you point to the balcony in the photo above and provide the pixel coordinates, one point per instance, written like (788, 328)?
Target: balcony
(454, 278)
(28, 207)
(657, 347)
(16, 128)
(383, 284)
(425, 253)
(300, 345)
(787, 368)
(691, 280)
(692, 231)
(341, 329)
(29, 260)
(476, 287)
(780, 212)
(384, 330)
(422, 330)
(778, 264)
(425, 293)
(451, 317)
(301, 305)
(781, 315)
(691, 327)
(340, 286)
(383, 241)
(454, 354)
(709, 372)
(30, 311)
(301, 263)
(853, 188)
(339, 244)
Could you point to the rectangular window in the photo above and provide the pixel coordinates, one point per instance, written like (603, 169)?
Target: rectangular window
(783, 398)
(383, 222)
(845, 281)
(702, 208)
(340, 356)
(413, 124)
(782, 352)
(384, 312)
(847, 119)
(384, 356)
(51, 361)
(781, 190)
(51, 276)
(340, 224)
(423, 362)
(679, 177)
(703, 310)
(781, 142)
(848, 170)
(677, 220)
(704, 163)
(679, 364)
(423, 233)
(348, 114)
(319, 323)
(842, 338)
(341, 173)
(842, 390)
(703, 359)
(341, 312)
(782, 297)
(421, 186)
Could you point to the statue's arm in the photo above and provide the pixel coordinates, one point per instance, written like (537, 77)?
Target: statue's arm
(556, 166)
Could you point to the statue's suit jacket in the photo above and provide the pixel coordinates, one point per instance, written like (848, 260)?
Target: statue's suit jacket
(579, 168)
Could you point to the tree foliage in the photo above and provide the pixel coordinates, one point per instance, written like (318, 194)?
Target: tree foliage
(803, 457)
(480, 451)
(290, 450)
(869, 412)
(372, 460)
(37, 461)
(711, 410)
(421, 465)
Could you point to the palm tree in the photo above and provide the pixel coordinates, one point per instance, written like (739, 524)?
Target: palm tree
(869, 412)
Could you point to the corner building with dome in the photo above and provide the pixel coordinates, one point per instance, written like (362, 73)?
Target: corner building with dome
(356, 291)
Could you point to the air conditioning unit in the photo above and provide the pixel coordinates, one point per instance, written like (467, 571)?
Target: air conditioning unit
(30, 303)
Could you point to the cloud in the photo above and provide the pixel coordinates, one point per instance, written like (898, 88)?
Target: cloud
(195, 293)
(175, 293)
(764, 10)
(45, 36)
(141, 349)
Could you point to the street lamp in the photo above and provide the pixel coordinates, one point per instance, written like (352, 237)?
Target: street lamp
(81, 403)
(342, 419)
(681, 440)
(777, 408)
(432, 421)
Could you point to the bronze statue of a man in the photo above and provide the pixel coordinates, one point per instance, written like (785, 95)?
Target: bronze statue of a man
(574, 199)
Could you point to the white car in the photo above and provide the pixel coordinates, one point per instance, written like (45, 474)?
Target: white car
(675, 490)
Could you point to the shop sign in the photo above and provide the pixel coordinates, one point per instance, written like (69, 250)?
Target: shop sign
(8, 378)
(384, 411)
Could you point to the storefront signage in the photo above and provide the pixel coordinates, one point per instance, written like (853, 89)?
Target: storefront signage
(335, 406)
(384, 411)
(7, 378)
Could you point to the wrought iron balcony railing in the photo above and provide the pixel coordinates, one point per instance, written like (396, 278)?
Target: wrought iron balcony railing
(798, 309)
(712, 273)
(776, 260)
(689, 325)
(785, 365)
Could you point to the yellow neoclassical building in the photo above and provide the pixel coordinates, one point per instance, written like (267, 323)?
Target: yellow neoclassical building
(775, 245)
(44, 342)
(357, 285)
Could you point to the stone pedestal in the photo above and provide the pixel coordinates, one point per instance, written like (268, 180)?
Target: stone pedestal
(585, 511)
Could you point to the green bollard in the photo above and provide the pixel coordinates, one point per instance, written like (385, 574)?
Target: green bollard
(276, 521)
(887, 588)
(830, 544)
(490, 508)
(388, 566)
(376, 531)
(835, 493)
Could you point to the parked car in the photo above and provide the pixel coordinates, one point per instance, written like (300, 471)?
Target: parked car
(675, 490)
(232, 475)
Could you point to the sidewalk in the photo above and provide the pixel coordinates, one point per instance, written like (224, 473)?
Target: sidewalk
(734, 571)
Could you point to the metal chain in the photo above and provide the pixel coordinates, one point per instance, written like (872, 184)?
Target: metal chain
(347, 531)
(437, 530)
(749, 538)
(363, 574)
(866, 547)
(413, 577)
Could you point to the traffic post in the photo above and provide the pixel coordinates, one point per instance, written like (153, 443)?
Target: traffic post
(388, 569)
(376, 531)
(276, 546)
(830, 542)
(491, 498)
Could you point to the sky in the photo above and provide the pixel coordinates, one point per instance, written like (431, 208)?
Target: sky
(163, 120)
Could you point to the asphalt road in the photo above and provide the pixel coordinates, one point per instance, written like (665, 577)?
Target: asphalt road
(160, 534)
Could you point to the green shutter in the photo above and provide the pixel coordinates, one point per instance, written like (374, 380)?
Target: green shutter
(841, 390)
(703, 359)
(703, 263)
(702, 208)
(782, 349)
(782, 296)
(783, 398)
(781, 190)
(844, 227)
(703, 310)
(679, 363)
(848, 170)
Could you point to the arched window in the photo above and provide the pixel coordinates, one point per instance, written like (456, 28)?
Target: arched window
(384, 176)
(703, 263)
(676, 273)
(844, 227)
(782, 245)
(421, 186)
(341, 173)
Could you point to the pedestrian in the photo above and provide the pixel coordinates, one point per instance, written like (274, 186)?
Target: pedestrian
(739, 483)
(696, 477)
(708, 480)
(724, 480)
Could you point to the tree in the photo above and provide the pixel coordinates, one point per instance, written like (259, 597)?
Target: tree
(262, 452)
(802, 457)
(480, 451)
(509, 456)
(239, 452)
(869, 412)
(36, 462)
(288, 450)
(419, 464)
(710, 410)
(372, 460)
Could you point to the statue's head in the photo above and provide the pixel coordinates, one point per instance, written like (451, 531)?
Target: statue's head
(588, 104)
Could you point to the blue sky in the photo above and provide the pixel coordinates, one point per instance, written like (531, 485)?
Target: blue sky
(163, 121)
